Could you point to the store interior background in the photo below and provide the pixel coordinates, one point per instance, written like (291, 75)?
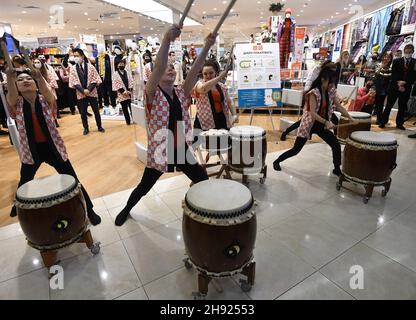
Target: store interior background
(108, 163)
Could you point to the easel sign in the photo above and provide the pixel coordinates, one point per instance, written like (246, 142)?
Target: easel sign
(258, 72)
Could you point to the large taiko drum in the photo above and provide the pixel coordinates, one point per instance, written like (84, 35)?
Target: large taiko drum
(51, 212)
(363, 124)
(248, 149)
(370, 157)
(215, 140)
(219, 227)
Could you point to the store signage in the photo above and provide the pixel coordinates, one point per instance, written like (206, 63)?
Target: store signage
(88, 38)
(300, 34)
(218, 16)
(258, 74)
(44, 41)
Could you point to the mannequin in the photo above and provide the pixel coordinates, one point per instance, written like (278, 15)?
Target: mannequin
(135, 68)
(286, 38)
(103, 65)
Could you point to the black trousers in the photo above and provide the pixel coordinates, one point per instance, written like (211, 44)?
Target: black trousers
(46, 155)
(83, 106)
(150, 176)
(379, 106)
(296, 125)
(391, 100)
(326, 135)
(126, 105)
(105, 91)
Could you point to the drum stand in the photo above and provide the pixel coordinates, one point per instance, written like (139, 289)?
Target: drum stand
(49, 257)
(221, 162)
(369, 187)
(204, 280)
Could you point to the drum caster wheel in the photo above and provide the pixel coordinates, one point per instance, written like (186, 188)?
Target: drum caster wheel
(365, 200)
(188, 265)
(95, 249)
(384, 193)
(198, 296)
(262, 180)
(338, 186)
(245, 286)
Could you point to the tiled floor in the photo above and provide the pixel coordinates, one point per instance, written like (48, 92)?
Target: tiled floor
(309, 236)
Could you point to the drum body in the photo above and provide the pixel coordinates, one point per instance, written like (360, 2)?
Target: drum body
(364, 124)
(370, 157)
(248, 149)
(216, 140)
(219, 227)
(51, 212)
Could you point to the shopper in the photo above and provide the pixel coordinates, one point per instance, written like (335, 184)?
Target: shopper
(123, 85)
(39, 139)
(85, 79)
(365, 98)
(402, 80)
(345, 69)
(382, 82)
(319, 107)
(398, 54)
(214, 108)
(69, 95)
(3, 83)
(178, 68)
(167, 151)
(148, 66)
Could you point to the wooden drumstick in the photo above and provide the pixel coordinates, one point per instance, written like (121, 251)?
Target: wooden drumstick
(224, 16)
(185, 12)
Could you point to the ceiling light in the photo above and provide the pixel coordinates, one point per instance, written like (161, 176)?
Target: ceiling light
(24, 11)
(85, 13)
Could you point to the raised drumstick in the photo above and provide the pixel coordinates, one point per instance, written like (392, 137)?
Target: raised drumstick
(224, 16)
(185, 12)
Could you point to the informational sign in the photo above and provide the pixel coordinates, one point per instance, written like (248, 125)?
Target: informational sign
(88, 38)
(45, 41)
(409, 19)
(258, 73)
(300, 35)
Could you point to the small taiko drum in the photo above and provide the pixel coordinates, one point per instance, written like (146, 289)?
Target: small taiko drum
(363, 124)
(219, 227)
(248, 149)
(370, 157)
(216, 140)
(52, 212)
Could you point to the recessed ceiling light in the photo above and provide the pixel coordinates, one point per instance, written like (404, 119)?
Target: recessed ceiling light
(215, 9)
(24, 11)
(85, 13)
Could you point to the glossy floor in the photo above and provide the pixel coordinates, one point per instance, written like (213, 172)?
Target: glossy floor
(311, 241)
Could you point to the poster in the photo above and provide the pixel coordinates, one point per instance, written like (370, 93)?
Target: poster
(338, 44)
(300, 35)
(409, 19)
(44, 41)
(346, 38)
(258, 74)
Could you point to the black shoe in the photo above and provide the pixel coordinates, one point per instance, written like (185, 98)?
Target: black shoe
(3, 133)
(93, 217)
(101, 129)
(59, 116)
(86, 131)
(337, 171)
(122, 217)
(73, 113)
(13, 212)
(401, 127)
(283, 137)
(276, 166)
(381, 125)
(412, 136)
(89, 114)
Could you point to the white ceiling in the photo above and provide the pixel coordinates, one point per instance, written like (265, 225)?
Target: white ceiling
(34, 23)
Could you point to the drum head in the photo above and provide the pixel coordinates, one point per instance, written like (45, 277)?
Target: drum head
(374, 138)
(215, 133)
(247, 131)
(219, 197)
(359, 115)
(47, 187)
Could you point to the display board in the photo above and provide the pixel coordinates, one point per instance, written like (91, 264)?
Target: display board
(258, 74)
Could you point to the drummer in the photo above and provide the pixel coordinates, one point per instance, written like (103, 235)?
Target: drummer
(39, 139)
(319, 107)
(168, 121)
(214, 107)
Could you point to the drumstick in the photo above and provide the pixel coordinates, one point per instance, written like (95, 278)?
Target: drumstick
(27, 59)
(186, 11)
(224, 16)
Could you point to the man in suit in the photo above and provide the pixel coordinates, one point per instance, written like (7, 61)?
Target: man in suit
(402, 80)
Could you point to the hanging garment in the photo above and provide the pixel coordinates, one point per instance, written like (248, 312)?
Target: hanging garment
(395, 22)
